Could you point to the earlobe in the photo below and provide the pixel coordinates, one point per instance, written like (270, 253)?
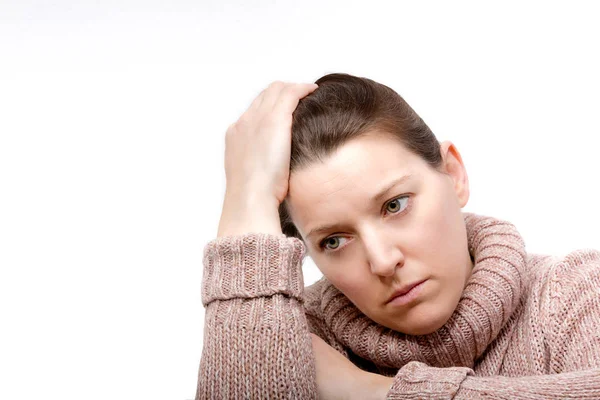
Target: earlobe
(454, 166)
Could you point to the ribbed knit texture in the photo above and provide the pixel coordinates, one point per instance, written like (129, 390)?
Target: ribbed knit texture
(526, 326)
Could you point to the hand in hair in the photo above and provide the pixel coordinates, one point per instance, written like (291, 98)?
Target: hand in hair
(257, 160)
(339, 378)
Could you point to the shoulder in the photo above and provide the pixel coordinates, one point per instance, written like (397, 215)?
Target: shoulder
(567, 286)
(579, 269)
(574, 283)
(554, 274)
(555, 285)
(573, 311)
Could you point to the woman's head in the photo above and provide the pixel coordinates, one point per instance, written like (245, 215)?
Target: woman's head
(351, 138)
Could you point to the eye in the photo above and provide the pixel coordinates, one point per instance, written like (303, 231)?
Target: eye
(334, 241)
(396, 206)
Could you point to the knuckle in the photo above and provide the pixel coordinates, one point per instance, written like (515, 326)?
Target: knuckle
(291, 92)
(246, 123)
(231, 129)
(241, 126)
(243, 120)
(276, 85)
(288, 90)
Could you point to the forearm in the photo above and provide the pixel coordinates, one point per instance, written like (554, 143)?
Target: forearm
(248, 212)
(570, 385)
(256, 348)
(256, 339)
(417, 380)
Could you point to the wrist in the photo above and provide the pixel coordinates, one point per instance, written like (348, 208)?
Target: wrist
(249, 213)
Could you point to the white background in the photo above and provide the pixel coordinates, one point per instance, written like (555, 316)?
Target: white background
(112, 122)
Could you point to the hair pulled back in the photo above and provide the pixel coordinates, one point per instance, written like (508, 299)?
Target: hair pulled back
(345, 107)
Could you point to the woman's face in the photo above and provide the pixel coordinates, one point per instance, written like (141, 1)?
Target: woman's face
(414, 231)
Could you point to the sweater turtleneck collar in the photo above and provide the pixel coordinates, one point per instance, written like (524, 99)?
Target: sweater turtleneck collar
(490, 297)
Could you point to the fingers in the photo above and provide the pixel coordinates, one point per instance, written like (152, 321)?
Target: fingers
(272, 93)
(290, 95)
(281, 96)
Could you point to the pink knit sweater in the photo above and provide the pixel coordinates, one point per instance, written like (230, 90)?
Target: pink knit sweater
(527, 326)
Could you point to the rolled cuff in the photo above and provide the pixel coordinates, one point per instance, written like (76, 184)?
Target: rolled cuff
(252, 265)
(417, 380)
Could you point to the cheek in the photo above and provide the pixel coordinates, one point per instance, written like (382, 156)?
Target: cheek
(445, 237)
(436, 230)
(346, 282)
(432, 227)
(349, 281)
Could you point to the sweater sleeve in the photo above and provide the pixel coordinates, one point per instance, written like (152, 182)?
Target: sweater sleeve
(256, 339)
(572, 315)
(417, 380)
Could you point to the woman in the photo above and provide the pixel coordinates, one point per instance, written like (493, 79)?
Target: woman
(418, 299)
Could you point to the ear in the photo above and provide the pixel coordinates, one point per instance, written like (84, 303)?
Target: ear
(454, 166)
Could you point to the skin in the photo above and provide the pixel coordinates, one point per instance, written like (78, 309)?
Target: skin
(392, 242)
(382, 254)
(338, 378)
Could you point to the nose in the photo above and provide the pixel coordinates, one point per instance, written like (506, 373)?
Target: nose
(383, 254)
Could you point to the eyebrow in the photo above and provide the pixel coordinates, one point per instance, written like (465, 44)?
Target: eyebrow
(384, 189)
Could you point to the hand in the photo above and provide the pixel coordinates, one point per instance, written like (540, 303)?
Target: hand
(258, 145)
(339, 378)
(257, 160)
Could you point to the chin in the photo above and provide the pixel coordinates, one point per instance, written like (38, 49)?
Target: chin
(424, 330)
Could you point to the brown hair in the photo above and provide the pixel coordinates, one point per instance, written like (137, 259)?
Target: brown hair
(345, 107)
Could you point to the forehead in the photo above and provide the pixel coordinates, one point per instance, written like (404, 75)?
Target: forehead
(348, 178)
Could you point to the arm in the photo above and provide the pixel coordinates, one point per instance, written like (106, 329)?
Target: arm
(417, 380)
(572, 315)
(256, 338)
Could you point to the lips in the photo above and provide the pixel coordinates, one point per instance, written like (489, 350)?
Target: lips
(404, 289)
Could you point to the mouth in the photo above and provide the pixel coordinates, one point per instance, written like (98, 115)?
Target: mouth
(406, 293)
